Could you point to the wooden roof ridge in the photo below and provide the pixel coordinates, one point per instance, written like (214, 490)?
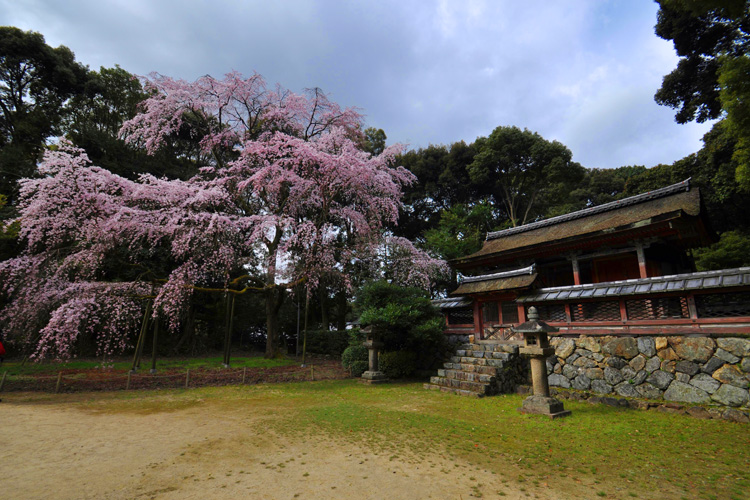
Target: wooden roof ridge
(586, 212)
(504, 274)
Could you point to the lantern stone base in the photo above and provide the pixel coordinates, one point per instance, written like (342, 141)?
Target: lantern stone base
(369, 377)
(542, 405)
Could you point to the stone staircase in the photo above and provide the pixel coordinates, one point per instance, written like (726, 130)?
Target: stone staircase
(482, 369)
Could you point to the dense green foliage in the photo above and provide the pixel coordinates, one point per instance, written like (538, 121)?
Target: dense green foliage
(732, 250)
(36, 82)
(522, 173)
(398, 364)
(355, 359)
(329, 342)
(405, 319)
(712, 78)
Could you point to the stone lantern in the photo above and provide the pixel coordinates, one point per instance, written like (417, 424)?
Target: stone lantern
(537, 348)
(373, 375)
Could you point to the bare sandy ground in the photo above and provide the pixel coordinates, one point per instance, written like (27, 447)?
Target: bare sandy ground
(58, 448)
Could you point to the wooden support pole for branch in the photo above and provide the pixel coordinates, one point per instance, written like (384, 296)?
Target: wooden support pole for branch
(127, 384)
(244, 375)
(59, 380)
(187, 378)
(312, 372)
(141, 336)
(153, 348)
(304, 341)
(2, 382)
(229, 324)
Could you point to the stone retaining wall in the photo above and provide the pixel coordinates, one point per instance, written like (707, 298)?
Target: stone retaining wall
(696, 370)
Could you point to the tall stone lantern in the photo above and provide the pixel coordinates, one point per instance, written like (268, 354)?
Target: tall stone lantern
(537, 348)
(373, 375)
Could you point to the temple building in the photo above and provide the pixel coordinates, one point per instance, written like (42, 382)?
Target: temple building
(634, 318)
(619, 268)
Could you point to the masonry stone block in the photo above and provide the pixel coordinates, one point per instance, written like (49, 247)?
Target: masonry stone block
(581, 382)
(626, 347)
(687, 367)
(712, 365)
(738, 347)
(638, 363)
(615, 362)
(628, 390)
(705, 382)
(729, 395)
(685, 393)
(653, 364)
(660, 379)
(647, 346)
(730, 374)
(601, 387)
(648, 391)
(559, 381)
(565, 348)
(726, 356)
(613, 376)
(694, 348)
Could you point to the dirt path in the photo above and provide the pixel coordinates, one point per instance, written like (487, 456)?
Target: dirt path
(59, 448)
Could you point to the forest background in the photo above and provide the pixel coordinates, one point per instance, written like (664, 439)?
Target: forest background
(461, 191)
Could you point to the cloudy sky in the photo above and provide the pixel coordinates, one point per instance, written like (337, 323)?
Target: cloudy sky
(582, 72)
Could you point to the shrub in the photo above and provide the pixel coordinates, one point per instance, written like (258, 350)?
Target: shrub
(398, 364)
(359, 367)
(355, 357)
(331, 342)
(408, 322)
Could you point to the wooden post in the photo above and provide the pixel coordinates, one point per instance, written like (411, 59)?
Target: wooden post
(153, 346)
(576, 270)
(141, 338)
(127, 384)
(304, 341)
(187, 378)
(244, 374)
(59, 380)
(229, 325)
(641, 260)
(312, 372)
(2, 382)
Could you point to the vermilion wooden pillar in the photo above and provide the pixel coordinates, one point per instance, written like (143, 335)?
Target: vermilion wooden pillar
(641, 260)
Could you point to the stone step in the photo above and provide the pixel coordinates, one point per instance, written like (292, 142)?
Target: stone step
(452, 390)
(466, 367)
(498, 363)
(483, 378)
(509, 348)
(483, 354)
(477, 387)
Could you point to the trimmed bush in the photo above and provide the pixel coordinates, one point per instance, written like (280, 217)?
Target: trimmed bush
(359, 367)
(355, 357)
(398, 364)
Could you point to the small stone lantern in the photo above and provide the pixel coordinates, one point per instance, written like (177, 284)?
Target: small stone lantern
(373, 344)
(537, 348)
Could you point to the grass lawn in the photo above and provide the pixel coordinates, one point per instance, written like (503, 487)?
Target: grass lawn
(603, 451)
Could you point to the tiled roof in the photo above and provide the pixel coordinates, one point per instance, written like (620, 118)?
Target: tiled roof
(636, 211)
(452, 303)
(586, 212)
(495, 282)
(723, 278)
(505, 274)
